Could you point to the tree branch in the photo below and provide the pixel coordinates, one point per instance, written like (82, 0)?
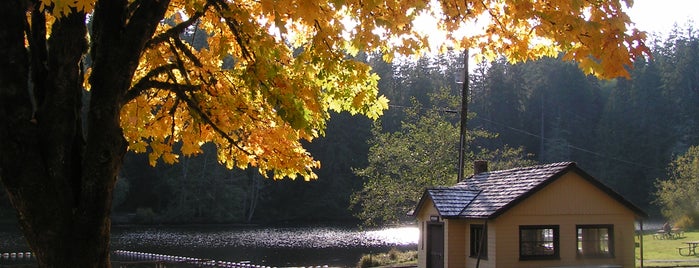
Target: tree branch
(176, 30)
(195, 107)
(222, 7)
(180, 65)
(143, 83)
(187, 52)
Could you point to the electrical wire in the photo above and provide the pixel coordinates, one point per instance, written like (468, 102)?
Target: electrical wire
(571, 146)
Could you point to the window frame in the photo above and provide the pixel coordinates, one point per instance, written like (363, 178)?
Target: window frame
(596, 255)
(476, 233)
(555, 241)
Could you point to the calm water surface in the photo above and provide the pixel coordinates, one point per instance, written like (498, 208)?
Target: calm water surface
(270, 246)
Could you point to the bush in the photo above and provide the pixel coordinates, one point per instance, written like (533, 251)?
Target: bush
(678, 194)
(393, 256)
(368, 261)
(687, 222)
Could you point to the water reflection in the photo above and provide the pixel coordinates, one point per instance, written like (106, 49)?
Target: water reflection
(287, 246)
(297, 237)
(402, 236)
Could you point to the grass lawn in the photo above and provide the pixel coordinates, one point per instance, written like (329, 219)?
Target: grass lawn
(664, 253)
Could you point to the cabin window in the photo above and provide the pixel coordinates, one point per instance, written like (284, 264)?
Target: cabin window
(595, 241)
(538, 242)
(479, 240)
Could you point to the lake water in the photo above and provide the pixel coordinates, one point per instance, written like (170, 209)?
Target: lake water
(270, 246)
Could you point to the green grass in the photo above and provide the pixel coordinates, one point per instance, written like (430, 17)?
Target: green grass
(664, 253)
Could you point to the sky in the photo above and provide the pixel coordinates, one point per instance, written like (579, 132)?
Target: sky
(658, 16)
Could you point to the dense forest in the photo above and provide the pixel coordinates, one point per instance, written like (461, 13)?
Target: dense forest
(623, 132)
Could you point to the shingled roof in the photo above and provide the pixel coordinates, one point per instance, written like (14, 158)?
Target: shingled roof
(489, 194)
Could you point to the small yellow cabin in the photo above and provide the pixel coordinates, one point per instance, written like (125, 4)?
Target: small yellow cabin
(553, 215)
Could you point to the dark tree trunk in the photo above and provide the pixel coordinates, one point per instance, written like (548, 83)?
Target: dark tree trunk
(58, 176)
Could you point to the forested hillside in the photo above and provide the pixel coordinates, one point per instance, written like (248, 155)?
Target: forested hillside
(623, 132)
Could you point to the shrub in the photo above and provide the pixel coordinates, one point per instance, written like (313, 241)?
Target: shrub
(368, 261)
(687, 222)
(393, 254)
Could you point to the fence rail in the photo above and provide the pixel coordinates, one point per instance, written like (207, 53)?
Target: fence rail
(16, 256)
(127, 258)
(126, 255)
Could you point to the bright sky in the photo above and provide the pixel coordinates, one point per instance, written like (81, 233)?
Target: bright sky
(658, 16)
(652, 16)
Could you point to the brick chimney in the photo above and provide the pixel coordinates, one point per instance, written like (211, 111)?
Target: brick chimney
(480, 166)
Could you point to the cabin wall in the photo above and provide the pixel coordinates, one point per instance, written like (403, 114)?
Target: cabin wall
(566, 203)
(455, 243)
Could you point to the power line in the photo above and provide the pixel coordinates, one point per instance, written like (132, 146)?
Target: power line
(571, 146)
(425, 109)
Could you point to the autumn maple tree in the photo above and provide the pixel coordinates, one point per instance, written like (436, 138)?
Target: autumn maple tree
(82, 81)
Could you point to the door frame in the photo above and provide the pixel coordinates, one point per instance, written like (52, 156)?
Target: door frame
(430, 244)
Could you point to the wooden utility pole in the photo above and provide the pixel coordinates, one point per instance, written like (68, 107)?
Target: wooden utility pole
(464, 118)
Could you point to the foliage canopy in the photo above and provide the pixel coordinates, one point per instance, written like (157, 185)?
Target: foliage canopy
(269, 71)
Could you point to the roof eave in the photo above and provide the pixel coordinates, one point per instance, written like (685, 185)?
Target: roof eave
(419, 205)
(466, 218)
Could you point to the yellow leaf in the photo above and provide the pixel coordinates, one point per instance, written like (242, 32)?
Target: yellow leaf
(256, 92)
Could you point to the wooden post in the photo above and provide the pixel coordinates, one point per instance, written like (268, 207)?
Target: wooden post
(640, 241)
(464, 119)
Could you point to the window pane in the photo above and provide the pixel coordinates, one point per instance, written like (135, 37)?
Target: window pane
(478, 236)
(595, 241)
(539, 242)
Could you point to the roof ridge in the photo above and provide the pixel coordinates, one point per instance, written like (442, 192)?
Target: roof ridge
(469, 203)
(456, 187)
(540, 166)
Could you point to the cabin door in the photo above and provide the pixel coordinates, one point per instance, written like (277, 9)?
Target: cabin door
(435, 245)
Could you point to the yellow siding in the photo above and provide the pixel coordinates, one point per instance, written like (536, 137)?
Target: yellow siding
(455, 240)
(567, 202)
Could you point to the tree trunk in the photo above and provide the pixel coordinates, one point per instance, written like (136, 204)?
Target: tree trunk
(58, 177)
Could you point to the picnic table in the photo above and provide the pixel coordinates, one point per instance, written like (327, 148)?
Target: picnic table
(675, 233)
(691, 248)
(661, 234)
